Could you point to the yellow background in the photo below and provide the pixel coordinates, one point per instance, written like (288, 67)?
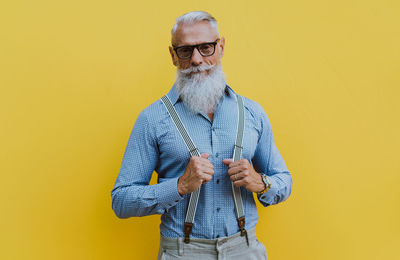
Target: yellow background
(75, 74)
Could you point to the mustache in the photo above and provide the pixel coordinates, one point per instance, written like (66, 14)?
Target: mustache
(196, 69)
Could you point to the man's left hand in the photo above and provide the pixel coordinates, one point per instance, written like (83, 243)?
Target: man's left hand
(243, 174)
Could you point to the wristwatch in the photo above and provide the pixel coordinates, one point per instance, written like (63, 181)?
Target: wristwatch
(267, 183)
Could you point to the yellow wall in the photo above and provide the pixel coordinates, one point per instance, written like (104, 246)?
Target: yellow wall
(75, 74)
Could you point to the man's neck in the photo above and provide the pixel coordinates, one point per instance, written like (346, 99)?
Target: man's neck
(210, 116)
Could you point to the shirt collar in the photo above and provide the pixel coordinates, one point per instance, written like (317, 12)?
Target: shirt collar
(174, 95)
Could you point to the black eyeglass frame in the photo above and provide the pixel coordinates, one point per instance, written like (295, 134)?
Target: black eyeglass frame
(197, 47)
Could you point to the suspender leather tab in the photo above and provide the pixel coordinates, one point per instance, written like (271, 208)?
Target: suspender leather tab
(241, 223)
(187, 229)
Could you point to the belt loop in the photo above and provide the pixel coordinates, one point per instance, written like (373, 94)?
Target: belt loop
(180, 246)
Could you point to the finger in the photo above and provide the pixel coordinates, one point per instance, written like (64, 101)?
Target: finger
(205, 155)
(233, 178)
(206, 166)
(235, 164)
(206, 178)
(227, 161)
(244, 161)
(235, 170)
(199, 161)
(238, 183)
(206, 162)
(236, 177)
(208, 171)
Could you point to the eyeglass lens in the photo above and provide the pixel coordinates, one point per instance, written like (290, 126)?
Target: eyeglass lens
(205, 49)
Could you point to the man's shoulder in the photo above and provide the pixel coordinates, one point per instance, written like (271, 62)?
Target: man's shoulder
(153, 113)
(256, 113)
(253, 107)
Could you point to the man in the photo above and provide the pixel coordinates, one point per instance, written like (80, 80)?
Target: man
(208, 109)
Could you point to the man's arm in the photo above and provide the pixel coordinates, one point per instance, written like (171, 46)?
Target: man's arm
(267, 160)
(132, 195)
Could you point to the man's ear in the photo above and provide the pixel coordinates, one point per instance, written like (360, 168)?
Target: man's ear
(221, 47)
(173, 56)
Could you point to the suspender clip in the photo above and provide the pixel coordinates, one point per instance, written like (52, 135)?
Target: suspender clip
(238, 146)
(243, 232)
(187, 230)
(193, 151)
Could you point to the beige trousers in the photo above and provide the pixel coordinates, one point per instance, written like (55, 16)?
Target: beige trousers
(224, 248)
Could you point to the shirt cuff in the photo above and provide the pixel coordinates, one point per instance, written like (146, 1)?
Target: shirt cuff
(167, 193)
(270, 197)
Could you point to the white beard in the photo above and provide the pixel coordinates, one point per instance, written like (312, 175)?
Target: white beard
(201, 93)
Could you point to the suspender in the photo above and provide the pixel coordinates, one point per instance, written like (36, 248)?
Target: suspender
(194, 151)
(237, 152)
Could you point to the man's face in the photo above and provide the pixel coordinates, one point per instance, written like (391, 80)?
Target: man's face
(198, 33)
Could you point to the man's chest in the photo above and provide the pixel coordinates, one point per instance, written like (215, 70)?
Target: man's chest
(217, 138)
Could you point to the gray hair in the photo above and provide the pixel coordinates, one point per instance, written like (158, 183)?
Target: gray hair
(194, 17)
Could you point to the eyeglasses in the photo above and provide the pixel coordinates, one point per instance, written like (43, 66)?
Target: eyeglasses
(205, 49)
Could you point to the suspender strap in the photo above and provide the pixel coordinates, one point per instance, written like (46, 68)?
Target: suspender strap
(181, 128)
(194, 151)
(237, 152)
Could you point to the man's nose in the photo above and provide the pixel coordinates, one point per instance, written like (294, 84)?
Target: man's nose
(196, 58)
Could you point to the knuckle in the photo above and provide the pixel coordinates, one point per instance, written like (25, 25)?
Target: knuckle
(206, 178)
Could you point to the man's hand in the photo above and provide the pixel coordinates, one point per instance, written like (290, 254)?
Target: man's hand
(199, 170)
(243, 174)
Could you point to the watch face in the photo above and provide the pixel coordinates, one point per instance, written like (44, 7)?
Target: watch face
(266, 181)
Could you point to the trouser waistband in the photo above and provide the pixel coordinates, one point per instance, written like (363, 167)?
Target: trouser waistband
(217, 244)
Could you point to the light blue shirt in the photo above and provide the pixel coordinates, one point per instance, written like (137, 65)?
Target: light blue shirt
(156, 145)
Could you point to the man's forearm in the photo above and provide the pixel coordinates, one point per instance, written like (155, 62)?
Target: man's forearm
(281, 187)
(144, 200)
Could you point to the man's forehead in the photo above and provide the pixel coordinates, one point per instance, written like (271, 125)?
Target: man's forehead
(189, 34)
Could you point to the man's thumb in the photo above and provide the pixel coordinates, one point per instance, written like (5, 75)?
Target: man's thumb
(205, 155)
(227, 161)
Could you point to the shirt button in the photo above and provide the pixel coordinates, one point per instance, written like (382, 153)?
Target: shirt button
(217, 236)
(217, 181)
(218, 209)
(216, 154)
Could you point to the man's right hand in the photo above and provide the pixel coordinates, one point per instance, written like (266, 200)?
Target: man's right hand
(199, 170)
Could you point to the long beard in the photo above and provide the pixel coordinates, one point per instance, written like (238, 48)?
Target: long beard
(201, 93)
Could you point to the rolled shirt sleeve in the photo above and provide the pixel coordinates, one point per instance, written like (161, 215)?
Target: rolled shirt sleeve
(267, 160)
